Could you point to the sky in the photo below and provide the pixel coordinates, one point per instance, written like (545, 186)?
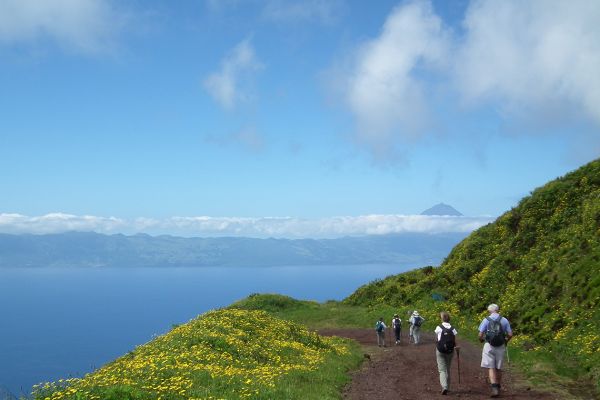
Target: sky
(289, 119)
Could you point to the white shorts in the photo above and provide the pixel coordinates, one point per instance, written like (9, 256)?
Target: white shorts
(492, 357)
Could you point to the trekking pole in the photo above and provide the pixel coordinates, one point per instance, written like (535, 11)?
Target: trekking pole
(509, 381)
(458, 361)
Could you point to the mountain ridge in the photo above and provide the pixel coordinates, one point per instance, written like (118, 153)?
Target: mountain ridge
(89, 249)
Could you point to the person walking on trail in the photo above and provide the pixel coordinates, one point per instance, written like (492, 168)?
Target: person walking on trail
(444, 351)
(380, 329)
(415, 326)
(397, 326)
(495, 331)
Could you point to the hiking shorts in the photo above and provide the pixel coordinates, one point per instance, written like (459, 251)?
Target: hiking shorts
(492, 357)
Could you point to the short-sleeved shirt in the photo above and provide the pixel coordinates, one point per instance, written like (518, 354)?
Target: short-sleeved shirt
(503, 322)
(438, 330)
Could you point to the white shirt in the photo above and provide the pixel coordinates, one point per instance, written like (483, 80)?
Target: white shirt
(446, 325)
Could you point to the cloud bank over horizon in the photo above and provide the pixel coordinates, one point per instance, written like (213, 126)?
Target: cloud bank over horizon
(278, 227)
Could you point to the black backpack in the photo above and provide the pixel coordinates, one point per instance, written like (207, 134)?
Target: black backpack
(494, 334)
(417, 321)
(397, 323)
(447, 340)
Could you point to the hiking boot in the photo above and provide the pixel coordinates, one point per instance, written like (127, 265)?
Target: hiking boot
(444, 391)
(495, 390)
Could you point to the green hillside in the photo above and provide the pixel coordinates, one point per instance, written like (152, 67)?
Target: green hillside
(540, 261)
(223, 354)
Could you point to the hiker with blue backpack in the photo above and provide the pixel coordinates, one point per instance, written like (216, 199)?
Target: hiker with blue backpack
(380, 329)
(495, 331)
(415, 326)
(445, 345)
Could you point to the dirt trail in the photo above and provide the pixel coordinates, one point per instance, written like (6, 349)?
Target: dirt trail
(409, 371)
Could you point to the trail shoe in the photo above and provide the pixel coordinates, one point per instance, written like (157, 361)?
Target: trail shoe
(495, 390)
(444, 391)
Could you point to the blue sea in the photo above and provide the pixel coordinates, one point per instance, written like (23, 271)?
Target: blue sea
(57, 323)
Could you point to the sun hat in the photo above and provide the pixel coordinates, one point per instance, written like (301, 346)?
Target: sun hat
(396, 315)
(415, 313)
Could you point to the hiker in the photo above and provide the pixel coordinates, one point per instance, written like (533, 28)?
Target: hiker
(415, 326)
(380, 329)
(397, 326)
(495, 331)
(444, 351)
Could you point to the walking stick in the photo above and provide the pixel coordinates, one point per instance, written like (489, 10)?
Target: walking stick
(509, 380)
(458, 361)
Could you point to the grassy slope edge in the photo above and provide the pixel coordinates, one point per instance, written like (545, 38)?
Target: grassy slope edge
(541, 262)
(223, 354)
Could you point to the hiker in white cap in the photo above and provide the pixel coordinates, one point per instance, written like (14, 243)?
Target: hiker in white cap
(495, 331)
(415, 326)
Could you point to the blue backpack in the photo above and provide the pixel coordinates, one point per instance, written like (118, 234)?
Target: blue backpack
(379, 326)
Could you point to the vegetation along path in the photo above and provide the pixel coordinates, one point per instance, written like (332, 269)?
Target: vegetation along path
(409, 371)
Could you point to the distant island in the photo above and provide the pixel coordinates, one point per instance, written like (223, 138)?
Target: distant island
(89, 249)
(442, 209)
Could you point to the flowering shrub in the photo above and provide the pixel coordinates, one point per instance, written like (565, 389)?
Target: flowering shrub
(222, 354)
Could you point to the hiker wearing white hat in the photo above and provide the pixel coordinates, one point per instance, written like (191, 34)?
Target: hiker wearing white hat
(415, 326)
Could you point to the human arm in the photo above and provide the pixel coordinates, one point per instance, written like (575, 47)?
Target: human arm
(482, 328)
(507, 329)
(437, 332)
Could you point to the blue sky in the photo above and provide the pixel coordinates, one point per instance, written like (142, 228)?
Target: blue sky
(120, 116)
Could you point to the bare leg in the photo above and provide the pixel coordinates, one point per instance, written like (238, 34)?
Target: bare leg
(495, 375)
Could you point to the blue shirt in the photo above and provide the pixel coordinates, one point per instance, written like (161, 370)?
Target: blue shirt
(503, 322)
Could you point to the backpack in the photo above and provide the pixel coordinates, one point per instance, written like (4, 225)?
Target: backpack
(417, 321)
(494, 334)
(397, 322)
(447, 340)
(379, 326)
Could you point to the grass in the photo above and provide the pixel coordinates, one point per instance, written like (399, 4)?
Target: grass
(546, 369)
(223, 354)
(260, 348)
(331, 314)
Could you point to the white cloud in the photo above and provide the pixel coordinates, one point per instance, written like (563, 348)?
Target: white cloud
(237, 226)
(383, 89)
(59, 222)
(323, 11)
(86, 26)
(231, 84)
(530, 61)
(531, 55)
